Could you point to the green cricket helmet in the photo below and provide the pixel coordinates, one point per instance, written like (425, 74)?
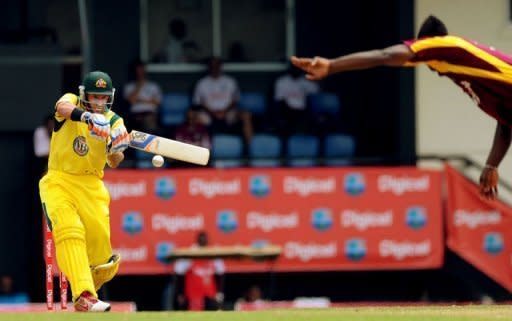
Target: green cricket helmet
(99, 83)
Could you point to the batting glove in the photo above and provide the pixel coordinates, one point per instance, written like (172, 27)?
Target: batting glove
(99, 126)
(120, 139)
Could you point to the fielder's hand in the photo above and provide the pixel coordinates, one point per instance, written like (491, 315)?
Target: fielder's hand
(99, 126)
(316, 68)
(120, 139)
(489, 183)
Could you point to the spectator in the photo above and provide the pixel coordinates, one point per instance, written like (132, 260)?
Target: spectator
(202, 280)
(290, 94)
(252, 299)
(7, 293)
(177, 48)
(192, 131)
(217, 95)
(42, 137)
(144, 97)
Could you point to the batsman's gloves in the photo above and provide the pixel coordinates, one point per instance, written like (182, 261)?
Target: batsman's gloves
(99, 126)
(119, 139)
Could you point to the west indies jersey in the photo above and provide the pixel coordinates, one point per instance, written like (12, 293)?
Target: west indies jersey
(484, 73)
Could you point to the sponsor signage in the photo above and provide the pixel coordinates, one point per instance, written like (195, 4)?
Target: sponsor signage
(479, 229)
(323, 218)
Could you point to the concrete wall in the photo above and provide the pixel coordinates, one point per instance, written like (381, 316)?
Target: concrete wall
(447, 120)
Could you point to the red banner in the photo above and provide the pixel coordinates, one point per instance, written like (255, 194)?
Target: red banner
(324, 219)
(478, 229)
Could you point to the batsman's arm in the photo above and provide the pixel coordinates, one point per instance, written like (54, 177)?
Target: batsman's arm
(65, 108)
(70, 111)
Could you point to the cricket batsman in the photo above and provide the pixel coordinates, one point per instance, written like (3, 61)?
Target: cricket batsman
(87, 135)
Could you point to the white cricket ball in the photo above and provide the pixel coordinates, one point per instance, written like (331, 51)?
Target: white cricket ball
(157, 161)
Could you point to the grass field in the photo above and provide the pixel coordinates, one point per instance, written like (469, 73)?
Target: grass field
(396, 313)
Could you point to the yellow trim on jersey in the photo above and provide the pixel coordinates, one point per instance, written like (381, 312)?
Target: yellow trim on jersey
(505, 70)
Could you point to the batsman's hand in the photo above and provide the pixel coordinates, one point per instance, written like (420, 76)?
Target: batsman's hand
(119, 139)
(99, 126)
(489, 183)
(316, 68)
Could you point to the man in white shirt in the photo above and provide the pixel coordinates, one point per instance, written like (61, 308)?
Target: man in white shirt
(144, 97)
(290, 93)
(217, 94)
(42, 136)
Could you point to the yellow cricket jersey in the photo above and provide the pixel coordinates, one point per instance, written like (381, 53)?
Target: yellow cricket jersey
(73, 150)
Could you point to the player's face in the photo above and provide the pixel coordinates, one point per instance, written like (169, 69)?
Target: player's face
(97, 102)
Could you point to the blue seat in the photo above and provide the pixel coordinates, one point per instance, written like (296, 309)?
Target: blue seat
(302, 150)
(265, 151)
(338, 149)
(227, 150)
(143, 159)
(253, 102)
(324, 103)
(174, 109)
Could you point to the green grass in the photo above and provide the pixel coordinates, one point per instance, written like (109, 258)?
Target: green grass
(396, 313)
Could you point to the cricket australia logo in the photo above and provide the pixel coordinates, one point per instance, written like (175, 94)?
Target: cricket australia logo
(101, 83)
(80, 146)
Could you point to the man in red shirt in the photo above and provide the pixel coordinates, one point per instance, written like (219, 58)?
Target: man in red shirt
(483, 73)
(202, 280)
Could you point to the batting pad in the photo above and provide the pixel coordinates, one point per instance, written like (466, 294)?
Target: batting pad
(103, 273)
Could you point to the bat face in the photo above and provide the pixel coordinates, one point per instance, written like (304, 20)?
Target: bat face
(143, 141)
(169, 148)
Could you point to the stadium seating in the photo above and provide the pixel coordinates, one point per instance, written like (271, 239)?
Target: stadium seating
(253, 102)
(265, 151)
(227, 150)
(338, 149)
(325, 109)
(143, 159)
(324, 103)
(174, 108)
(302, 150)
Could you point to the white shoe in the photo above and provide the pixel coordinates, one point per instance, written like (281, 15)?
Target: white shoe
(86, 302)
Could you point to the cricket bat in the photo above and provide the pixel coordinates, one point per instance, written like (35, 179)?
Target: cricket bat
(169, 148)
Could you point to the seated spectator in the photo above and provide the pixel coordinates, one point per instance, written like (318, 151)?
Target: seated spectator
(177, 48)
(217, 95)
(192, 131)
(7, 293)
(252, 298)
(290, 95)
(144, 97)
(202, 281)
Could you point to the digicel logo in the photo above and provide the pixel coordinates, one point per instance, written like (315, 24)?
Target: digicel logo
(308, 186)
(403, 184)
(474, 219)
(362, 220)
(308, 251)
(212, 188)
(119, 190)
(402, 250)
(270, 221)
(176, 223)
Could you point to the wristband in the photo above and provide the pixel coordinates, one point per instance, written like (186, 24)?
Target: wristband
(490, 166)
(76, 114)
